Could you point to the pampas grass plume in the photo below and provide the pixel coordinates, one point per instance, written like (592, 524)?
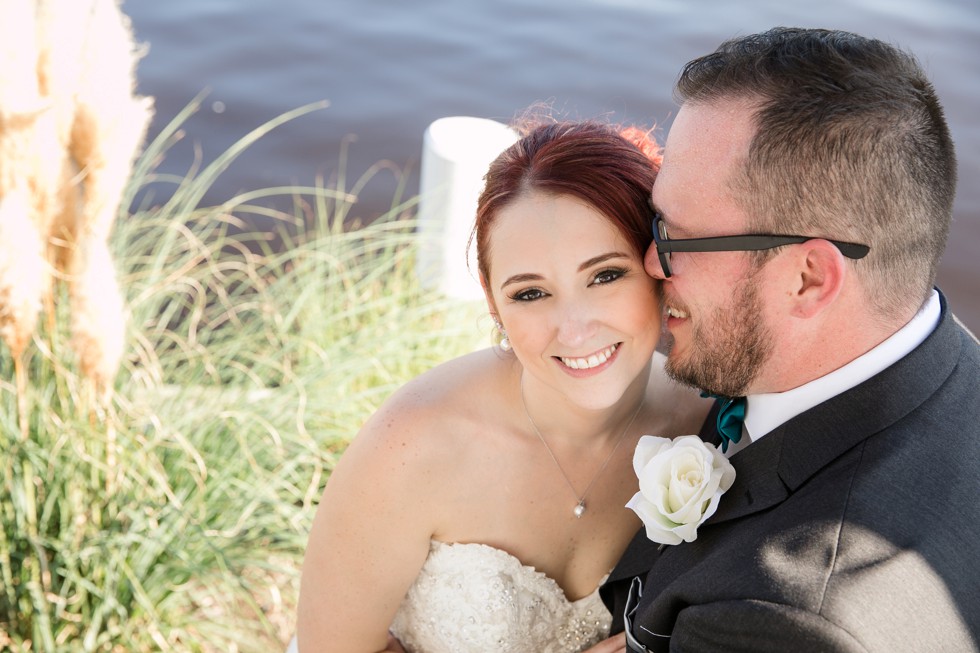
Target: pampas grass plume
(70, 128)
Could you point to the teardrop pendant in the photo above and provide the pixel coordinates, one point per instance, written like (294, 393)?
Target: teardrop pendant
(579, 509)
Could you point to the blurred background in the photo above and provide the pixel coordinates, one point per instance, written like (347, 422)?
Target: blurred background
(388, 68)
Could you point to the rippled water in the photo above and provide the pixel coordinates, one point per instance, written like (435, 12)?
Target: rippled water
(391, 67)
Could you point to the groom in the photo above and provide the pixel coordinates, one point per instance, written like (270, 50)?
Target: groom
(854, 520)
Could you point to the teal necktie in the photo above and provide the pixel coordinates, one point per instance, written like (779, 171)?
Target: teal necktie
(730, 418)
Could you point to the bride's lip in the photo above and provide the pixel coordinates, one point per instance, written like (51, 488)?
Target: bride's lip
(590, 364)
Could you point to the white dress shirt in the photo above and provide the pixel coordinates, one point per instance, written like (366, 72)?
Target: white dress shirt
(764, 412)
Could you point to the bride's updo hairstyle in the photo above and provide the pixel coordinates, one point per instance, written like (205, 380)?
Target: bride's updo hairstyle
(610, 168)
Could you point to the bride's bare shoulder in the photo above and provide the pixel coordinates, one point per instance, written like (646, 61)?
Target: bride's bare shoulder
(433, 411)
(455, 385)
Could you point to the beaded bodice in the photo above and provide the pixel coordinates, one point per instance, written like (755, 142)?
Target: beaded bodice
(474, 597)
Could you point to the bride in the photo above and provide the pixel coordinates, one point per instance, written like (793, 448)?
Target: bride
(482, 506)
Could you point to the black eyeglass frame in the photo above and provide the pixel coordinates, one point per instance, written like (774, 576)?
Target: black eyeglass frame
(742, 243)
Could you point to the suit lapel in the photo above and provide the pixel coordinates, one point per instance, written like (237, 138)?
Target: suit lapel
(757, 485)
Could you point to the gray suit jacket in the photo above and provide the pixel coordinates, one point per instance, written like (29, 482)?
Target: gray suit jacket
(855, 526)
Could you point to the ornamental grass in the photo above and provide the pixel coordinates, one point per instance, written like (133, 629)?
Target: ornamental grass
(175, 516)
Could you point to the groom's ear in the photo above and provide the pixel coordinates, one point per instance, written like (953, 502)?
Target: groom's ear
(817, 279)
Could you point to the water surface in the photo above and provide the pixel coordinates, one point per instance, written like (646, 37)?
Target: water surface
(389, 68)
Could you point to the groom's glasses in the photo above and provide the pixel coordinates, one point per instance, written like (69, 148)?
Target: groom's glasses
(744, 243)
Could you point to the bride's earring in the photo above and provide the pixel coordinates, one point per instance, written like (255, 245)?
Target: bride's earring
(504, 340)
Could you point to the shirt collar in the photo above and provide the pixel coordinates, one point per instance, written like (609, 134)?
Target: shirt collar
(764, 412)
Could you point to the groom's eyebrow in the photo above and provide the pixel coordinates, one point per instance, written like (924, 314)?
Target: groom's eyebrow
(676, 231)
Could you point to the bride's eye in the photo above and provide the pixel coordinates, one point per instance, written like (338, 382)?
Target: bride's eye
(528, 295)
(608, 276)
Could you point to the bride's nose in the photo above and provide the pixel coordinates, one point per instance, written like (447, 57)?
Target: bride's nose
(576, 326)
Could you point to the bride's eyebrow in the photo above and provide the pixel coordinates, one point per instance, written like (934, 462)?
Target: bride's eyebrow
(602, 258)
(595, 260)
(521, 278)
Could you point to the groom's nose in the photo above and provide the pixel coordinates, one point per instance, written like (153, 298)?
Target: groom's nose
(651, 263)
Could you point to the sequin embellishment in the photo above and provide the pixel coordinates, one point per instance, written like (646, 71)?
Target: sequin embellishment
(474, 597)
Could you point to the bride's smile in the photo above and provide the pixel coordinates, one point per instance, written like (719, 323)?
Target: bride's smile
(592, 361)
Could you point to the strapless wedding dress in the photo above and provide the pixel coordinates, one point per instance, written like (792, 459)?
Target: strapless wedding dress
(473, 598)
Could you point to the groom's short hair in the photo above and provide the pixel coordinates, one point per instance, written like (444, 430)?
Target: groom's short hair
(850, 142)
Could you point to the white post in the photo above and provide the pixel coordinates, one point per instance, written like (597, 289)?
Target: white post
(456, 152)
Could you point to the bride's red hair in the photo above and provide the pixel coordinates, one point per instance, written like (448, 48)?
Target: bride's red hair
(610, 168)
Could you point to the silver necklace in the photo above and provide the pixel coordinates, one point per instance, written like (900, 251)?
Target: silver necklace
(579, 508)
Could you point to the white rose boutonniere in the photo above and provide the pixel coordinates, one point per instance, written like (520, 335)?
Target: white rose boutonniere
(681, 483)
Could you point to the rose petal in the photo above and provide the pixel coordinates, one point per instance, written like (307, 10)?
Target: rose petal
(658, 528)
(686, 481)
(647, 447)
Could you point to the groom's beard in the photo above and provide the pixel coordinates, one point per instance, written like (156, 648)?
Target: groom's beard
(728, 350)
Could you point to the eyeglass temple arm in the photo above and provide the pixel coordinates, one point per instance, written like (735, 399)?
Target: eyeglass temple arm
(752, 243)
